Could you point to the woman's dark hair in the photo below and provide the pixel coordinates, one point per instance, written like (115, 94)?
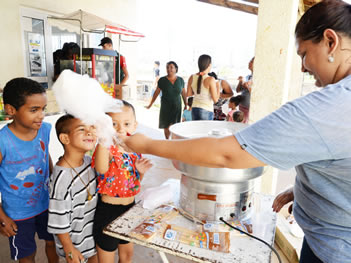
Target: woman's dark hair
(332, 14)
(174, 64)
(203, 63)
(190, 101)
(212, 74)
(17, 90)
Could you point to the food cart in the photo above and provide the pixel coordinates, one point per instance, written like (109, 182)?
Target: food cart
(96, 63)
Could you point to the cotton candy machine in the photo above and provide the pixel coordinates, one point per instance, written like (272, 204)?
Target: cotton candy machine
(211, 193)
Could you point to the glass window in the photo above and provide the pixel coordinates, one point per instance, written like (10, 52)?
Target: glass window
(35, 47)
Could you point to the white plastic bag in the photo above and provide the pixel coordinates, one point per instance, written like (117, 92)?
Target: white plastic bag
(155, 196)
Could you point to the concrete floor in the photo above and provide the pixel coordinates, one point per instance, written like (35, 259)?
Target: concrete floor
(148, 123)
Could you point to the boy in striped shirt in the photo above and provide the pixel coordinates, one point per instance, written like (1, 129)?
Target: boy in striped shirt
(73, 195)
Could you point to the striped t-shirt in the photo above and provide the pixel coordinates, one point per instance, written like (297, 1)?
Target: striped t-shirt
(69, 209)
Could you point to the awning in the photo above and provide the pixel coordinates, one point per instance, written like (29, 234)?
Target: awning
(87, 22)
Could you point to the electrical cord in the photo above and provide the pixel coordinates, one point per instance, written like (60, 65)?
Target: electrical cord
(252, 236)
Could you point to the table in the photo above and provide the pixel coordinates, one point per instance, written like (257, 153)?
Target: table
(242, 248)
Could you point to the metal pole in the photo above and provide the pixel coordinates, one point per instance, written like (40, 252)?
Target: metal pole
(119, 60)
(81, 44)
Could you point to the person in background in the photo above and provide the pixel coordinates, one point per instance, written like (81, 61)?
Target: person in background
(172, 88)
(234, 102)
(63, 59)
(156, 76)
(204, 89)
(187, 112)
(73, 194)
(25, 166)
(311, 133)
(121, 71)
(225, 93)
(244, 88)
(238, 116)
(119, 179)
(156, 73)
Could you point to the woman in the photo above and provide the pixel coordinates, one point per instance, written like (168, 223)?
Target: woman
(225, 93)
(312, 133)
(172, 87)
(204, 89)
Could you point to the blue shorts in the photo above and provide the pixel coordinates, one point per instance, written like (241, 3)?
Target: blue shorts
(23, 244)
(201, 114)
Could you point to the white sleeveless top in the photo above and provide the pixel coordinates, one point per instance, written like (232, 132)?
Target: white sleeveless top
(204, 99)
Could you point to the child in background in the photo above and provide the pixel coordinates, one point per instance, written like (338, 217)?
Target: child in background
(73, 194)
(25, 165)
(233, 103)
(120, 173)
(187, 113)
(238, 116)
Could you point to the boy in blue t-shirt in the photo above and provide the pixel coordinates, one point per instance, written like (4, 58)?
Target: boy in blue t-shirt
(25, 166)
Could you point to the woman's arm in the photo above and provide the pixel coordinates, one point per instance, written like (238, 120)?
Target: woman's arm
(210, 152)
(227, 90)
(102, 159)
(184, 98)
(189, 90)
(154, 97)
(214, 89)
(240, 83)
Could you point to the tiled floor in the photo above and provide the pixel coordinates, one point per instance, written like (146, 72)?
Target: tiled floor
(148, 120)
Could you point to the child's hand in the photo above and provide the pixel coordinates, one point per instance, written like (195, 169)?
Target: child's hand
(282, 199)
(74, 256)
(142, 165)
(8, 227)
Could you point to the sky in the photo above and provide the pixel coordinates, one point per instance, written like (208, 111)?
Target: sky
(182, 30)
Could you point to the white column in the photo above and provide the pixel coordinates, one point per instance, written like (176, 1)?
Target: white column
(276, 77)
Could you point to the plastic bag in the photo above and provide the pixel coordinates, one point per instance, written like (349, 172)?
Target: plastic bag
(155, 196)
(155, 223)
(217, 241)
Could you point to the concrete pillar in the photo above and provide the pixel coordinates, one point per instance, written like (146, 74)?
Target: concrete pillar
(277, 77)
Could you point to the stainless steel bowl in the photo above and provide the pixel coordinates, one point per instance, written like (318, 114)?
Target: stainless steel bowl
(196, 129)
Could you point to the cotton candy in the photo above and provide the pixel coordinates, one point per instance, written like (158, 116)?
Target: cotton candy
(84, 98)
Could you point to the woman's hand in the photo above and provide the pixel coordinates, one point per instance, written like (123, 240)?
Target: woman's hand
(282, 199)
(136, 143)
(8, 227)
(148, 107)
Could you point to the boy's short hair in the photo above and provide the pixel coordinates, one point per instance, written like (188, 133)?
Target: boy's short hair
(127, 104)
(63, 125)
(18, 89)
(190, 101)
(238, 116)
(236, 100)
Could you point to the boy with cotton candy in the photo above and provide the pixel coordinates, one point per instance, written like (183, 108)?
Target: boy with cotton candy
(73, 195)
(84, 98)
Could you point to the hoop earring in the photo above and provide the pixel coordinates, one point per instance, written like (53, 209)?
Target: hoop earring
(330, 58)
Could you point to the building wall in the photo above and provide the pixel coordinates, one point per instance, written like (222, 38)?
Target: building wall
(12, 60)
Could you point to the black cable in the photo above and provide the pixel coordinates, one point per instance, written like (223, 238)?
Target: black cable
(252, 236)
